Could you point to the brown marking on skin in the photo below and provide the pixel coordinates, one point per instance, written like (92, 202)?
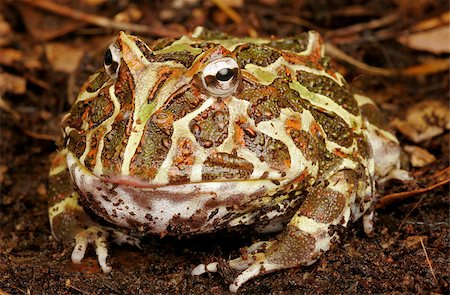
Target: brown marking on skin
(124, 88)
(375, 117)
(94, 84)
(334, 127)
(164, 121)
(183, 101)
(66, 225)
(258, 54)
(220, 166)
(238, 132)
(293, 247)
(164, 73)
(323, 205)
(267, 101)
(153, 147)
(342, 95)
(293, 123)
(179, 225)
(340, 153)
(210, 127)
(182, 162)
(59, 187)
(364, 149)
(301, 177)
(266, 148)
(311, 60)
(315, 129)
(91, 157)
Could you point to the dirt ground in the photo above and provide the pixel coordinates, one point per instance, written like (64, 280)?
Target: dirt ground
(47, 51)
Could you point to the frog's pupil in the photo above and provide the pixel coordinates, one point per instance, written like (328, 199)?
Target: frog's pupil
(224, 74)
(108, 57)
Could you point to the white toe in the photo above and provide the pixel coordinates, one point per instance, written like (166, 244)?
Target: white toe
(79, 250)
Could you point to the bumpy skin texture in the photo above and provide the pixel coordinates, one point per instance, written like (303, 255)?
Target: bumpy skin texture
(164, 142)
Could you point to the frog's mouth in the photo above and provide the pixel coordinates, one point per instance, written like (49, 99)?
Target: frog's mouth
(169, 209)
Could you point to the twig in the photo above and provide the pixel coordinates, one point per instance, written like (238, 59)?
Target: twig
(41, 136)
(292, 19)
(410, 211)
(370, 25)
(5, 106)
(228, 11)
(440, 20)
(431, 67)
(426, 68)
(100, 21)
(339, 54)
(443, 177)
(428, 261)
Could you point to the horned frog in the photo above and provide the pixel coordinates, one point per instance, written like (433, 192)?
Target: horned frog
(209, 131)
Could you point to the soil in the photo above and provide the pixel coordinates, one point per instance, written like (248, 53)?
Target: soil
(407, 254)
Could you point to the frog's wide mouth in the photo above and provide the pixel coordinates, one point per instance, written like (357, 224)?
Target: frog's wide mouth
(76, 168)
(80, 174)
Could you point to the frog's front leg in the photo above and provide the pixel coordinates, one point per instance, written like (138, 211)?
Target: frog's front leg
(308, 234)
(70, 223)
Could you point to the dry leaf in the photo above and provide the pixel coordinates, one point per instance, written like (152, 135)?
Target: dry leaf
(10, 56)
(6, 33)
(131, 15)
(46, 26)
(419, 157)
(435, 41)
(414, 241)
(3, 170)
(12, 83)
(424, 120)
(64, 57)
(93, 2)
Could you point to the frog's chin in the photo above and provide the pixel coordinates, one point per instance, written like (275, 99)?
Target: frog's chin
(169, 209)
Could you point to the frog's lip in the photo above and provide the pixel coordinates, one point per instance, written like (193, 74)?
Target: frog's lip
(139, 183)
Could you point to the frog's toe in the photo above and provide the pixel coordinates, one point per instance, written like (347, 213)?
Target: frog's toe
(92, 235)
(204, 268)
(258, 267)
(121, 238)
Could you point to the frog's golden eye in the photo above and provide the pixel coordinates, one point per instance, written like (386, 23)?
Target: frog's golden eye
(221, 77)
(111, 60)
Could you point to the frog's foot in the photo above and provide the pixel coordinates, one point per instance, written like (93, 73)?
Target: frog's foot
(293, 248)
(238, 264)
(98, 236)
(121, 238)
(92, 235)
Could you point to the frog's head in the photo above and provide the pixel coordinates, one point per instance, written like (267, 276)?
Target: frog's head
(197, 108)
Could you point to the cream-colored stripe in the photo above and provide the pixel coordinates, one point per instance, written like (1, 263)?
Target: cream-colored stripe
(180, 130)
(266, 75)
(98, 168)
(354, 122)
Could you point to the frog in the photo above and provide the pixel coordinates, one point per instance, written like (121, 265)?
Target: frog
(208, 131)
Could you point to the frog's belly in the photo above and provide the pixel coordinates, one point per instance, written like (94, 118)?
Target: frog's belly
(176, 209)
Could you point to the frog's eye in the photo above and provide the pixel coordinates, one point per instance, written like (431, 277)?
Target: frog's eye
(111, 60)
(221, 77)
